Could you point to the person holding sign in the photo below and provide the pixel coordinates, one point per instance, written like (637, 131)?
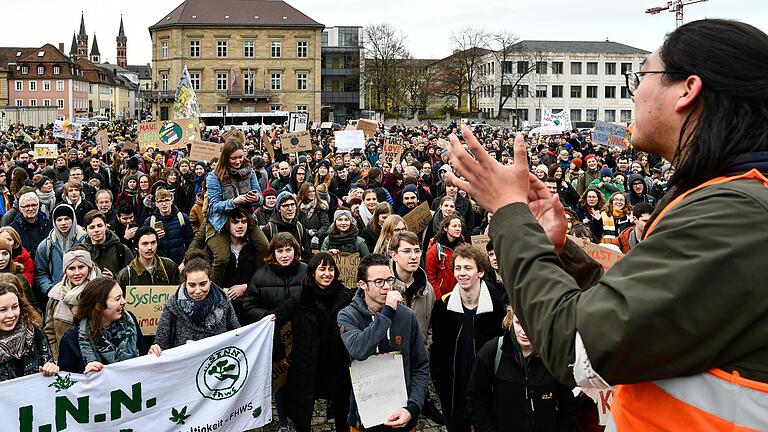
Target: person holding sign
(377, 322)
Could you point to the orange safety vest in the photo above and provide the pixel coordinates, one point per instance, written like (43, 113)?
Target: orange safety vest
(714, 401)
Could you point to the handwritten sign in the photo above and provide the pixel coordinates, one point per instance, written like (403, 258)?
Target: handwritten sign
(204, 151)
(609, 134)
(479, 241)
(378, 383)
(369, 127)
(102, 139)
(391, 152)
(605, 256)
(46, 151)
(171, 134)
(67, 130)
(347, 264)
(295, 142)
(146, 302)
(418, 219)
(348, 140)
(297, 121)
(279, 368)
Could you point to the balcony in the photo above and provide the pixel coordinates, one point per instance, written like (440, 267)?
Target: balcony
(355, 72)
(340, 97)
(253, 94)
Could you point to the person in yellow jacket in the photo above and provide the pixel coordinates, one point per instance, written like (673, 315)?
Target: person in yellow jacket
(680, 324)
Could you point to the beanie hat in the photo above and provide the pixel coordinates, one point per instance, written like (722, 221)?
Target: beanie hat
(344, 212)
(569, 147)
(72, 151)
(588, 157)
(40, 183)
(64, 210)
(132, 163)
(283, 195)
(411, 188)
(269, 192)
(50, 173)
(577, 162)
(80, 255)
(447, 168)
(201, 164)
(606, 172)
(184, 161)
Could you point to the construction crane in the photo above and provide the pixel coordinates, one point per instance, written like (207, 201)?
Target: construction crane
(675, 6)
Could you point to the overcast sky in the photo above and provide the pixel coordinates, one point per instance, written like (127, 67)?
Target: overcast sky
(427, 24)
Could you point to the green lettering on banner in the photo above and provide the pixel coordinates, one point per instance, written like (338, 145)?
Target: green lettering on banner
(119, 399)
(64, 406)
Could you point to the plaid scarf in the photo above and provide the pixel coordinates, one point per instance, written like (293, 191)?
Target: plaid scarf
(117, 342)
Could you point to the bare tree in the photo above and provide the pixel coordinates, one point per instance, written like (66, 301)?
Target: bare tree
(504, 46)
(470, 45)
(385, 55)
(417, 85)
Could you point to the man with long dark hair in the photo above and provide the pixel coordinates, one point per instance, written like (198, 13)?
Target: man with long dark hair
(680, 325)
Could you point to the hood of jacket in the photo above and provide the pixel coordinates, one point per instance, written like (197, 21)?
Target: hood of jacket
(419, 279)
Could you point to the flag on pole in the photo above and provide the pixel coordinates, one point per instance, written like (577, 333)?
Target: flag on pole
(234, 77)
(185, 104)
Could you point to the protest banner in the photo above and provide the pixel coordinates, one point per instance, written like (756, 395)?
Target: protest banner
(392, 151)
(443, 144)
(295, 142)
(418, 219)
(479, 241)
(67, 130)
(129, 145)
(147, 303)
(348, 140)
(298, 121)
(219, 383)
(347, 264)
(604, 406)
(378, 383)
(185, 101)
(609, 134)
(280, 368)
(561, 120)
(204, 151)
(46, 151)
(171, 134)
(605, 256)
(102, 139)
(369, 127)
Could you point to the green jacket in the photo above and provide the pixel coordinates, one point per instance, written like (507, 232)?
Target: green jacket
(166, 272)
(111, 254)
(688, 298)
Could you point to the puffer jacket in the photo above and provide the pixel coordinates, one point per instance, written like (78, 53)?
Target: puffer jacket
(49, 268)
(177, 238)
(112, 254)
(270, 287)
(21, 256)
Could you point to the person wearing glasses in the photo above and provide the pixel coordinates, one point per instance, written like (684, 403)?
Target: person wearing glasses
(377, 322)
(32, 224)
(285, 219)
(174, 230)
(691, 295)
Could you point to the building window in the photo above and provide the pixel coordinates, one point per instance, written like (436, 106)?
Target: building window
(302, 49)
(624, 92)
(221, 48)
(60, 103)
(591, 92)
(626, 116)
(348, 37)
(164, 49)
(301, 108)
(194, 78)
(557, 91)
(575, 91)
(541, 91)
(522, 91)
(194, 48)
(33, 102)
(557, 68)
(610, 68)
(33, 86)
(56, 70)
(222, 109)
(24, 70)
(276, 83)
(248, 82)
(221, 81)
(541, 67)
(248, 48)
(59, 85)
(626, 67)
(164, 82)
(274, 108)
(46, 102)
(19, 102)
(325, 38)
(575, 68)
(610, 92)
(301, 81)
(591, 115)
(40, 70)
(522, 67)
(46, 86)
(610, 115)
(19, 85)
(591, 68)
(275, 51)
(575, 115)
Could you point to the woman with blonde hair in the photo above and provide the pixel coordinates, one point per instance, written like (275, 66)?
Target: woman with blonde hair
(393, 224)
(615, 216)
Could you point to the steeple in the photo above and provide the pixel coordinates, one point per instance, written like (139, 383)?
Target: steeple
(95, 54)
(73, 49)
(121, 32)
(122, 46)
(83, 34)
(82, 39)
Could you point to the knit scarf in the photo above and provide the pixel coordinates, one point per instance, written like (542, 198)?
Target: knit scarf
(308, 208)
(47, 201)
(365, 214)
(67, 296)
(619, 213)
(117, 343)
(335, 241)
(203, 313)
(16, 343)
(241, 173)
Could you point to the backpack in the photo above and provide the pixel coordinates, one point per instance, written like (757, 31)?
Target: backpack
(153, 219)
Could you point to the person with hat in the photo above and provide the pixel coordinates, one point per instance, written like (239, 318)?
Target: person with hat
(607, 184)
(264, 213)
(285, 219)
(409, 199)
(343, 235)
(592, 173)
(78, 270)
(66, 233)
(46, 194)
(148, 268)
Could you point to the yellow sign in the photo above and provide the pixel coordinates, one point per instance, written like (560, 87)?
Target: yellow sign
(46, 151)
(146, 302)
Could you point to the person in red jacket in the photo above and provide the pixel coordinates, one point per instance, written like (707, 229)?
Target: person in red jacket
(19, 254)
(438, 258)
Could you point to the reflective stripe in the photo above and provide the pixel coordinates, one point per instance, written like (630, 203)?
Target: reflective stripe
(736, 404)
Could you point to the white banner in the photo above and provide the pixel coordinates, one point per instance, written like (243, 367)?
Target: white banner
(561, 120)
(348, 140)
(220, 383)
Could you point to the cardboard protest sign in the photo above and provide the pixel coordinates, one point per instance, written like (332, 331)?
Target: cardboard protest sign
(102, 139)
(378, 383)
(479, 241)
(172, 134)
(605, 256)
(347, 264)
(129, 145)
(279, 369)
(346, 141)
(297, 121)
(295, 142)
(369, 127)
(418, 219)
(67, 130)
(609, 134)
(147, 302)
(204, 151)
(443, 144)
(391, 152)
(46, 151)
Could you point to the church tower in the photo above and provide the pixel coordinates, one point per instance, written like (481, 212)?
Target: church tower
(82, 39)
(95, 54)
(122, 46)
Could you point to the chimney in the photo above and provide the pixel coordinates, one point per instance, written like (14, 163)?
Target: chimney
(61, 46)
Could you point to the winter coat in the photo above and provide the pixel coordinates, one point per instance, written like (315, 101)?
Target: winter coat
(271, 286)
(608, 188)
(218, 244)
(438, 268)
(25, 259)
(32, 234)
(112, 254)
(196, 215)
(175, 327)
(516, 398)
(263, 215)
(633, 198)
(49, 267)
(345, 244)
(219, 201)
(585, 179)
(318, 360)
(365, 334)
(369, 236)
(178, 236)
(422, 302)
(37, 355)
(316, 225)
(166, 272)
(82, 208)
(296, 228)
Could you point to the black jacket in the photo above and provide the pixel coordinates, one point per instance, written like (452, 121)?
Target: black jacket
(32, 234)
(517, 398)
(270, 287)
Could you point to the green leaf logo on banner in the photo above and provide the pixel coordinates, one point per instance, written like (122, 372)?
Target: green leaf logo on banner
(179, 417)
(257, 412)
